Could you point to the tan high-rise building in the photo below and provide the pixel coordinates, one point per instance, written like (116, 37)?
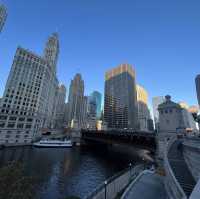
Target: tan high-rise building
(143, 111)
(142, 95)
(184, 105)
(120, 103)
(193, 109)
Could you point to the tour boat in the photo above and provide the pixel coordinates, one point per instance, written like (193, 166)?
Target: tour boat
(53, 143)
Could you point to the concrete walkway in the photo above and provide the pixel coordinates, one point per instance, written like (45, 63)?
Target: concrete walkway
(148, 186)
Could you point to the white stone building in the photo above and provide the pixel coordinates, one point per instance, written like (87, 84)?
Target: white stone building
(170, 123)
(170, 116)
(155, 102)
(27, 103)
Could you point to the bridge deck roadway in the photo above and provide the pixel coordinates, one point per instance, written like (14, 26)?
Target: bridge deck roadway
(148, 186)
(145, 140)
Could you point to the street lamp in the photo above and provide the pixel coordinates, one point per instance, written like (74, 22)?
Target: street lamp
(105, 184)
(130, 165)
(143, 162)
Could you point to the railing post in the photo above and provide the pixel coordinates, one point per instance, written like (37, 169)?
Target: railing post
(143, 163)
(105, 186)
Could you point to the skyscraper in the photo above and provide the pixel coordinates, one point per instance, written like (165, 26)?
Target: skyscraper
(59, 106)
(188, 118)
(143, 110)
(194, 109)
(28, 99)
(51, 51)
(76, 101)
(197, 82)
(96, 97)
(3, 16)
(92, 106)
(156, 101)
(91, 113)
(120, 103)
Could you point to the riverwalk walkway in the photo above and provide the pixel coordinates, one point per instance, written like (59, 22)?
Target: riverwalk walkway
(148, 186)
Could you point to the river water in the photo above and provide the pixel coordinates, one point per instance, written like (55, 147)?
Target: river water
(63, 172)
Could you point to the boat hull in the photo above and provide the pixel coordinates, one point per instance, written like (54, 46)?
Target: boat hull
(52, 145)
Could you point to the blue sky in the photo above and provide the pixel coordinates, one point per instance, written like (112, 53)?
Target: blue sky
(160, 38)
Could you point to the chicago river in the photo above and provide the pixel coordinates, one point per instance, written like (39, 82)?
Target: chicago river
(64, 172)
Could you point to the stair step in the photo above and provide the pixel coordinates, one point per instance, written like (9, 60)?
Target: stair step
(180, 168)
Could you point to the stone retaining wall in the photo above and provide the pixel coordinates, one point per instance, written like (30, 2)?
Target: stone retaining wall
(172, 186)
(191, 151)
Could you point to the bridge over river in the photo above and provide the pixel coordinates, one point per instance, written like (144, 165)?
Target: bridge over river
(141, 139)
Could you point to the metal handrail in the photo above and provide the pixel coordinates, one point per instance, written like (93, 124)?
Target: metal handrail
(102, 185)
(112, 178)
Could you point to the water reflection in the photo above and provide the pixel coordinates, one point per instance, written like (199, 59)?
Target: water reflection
(63, 172)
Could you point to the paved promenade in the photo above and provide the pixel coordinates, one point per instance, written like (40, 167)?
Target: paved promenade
(148, 186)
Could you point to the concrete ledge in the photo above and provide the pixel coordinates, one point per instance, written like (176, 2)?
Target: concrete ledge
(194, 145)
(191, 151)
(173, 188)
(16, 145)
(196, 192)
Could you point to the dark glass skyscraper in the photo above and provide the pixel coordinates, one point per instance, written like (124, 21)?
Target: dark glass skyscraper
(96, 98)
(120, 105)
(197, 81)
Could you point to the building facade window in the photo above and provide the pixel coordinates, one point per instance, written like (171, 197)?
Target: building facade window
(11, 125)
(12, 118)
(20, 126)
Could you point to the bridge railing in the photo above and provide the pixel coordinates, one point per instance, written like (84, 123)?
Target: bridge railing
(114, 185)
(119, 132)
(173, 187)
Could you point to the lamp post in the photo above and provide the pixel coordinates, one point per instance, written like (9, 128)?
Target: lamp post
(143, 162)
(105, 184)
(130, 165)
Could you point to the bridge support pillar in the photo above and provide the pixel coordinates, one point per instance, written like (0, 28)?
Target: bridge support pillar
(76, 137)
